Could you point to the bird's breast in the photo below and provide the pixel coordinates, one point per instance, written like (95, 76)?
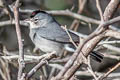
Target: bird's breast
(44, 44)
(48, 45)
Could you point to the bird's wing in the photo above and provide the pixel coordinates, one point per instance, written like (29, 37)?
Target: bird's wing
(56, 33)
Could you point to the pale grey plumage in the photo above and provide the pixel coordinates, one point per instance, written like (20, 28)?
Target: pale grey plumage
(48, 35)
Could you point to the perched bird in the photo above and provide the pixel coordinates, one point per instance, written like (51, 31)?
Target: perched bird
(48, 35)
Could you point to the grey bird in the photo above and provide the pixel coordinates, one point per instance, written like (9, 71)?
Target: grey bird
(48, 35)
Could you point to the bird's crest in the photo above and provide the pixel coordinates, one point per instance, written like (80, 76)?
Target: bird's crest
(36, 12)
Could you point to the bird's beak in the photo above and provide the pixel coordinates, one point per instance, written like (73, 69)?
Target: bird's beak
(27, 20)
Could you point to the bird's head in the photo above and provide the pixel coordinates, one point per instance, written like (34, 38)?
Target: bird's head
(38, 19)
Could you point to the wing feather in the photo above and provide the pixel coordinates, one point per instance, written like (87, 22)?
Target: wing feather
(55, 32)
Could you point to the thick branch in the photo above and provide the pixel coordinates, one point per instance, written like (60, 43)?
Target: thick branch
(85, 48)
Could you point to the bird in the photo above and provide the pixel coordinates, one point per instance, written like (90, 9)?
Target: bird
(48, 35)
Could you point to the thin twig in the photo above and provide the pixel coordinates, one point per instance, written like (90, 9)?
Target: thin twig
(99, 9)
(81, 6)
(110, 71)
(71, 40)
(39, 65)
(4, 4)
(90, 69)
(26, 57)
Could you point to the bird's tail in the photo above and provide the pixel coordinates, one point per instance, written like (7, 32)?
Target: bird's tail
(95, 55)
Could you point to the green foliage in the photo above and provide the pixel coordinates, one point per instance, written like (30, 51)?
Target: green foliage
(55, 4)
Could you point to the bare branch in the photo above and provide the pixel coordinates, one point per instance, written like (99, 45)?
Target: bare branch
(21, 53)
(87, 46)
(4, 4)
(75, 23)
(112, 33)
(42, 62)
(110, 71)
(110, 9)
(68, 13)
(99, 9)
(4, 23)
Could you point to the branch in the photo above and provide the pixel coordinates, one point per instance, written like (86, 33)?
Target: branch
(4, 4)
(26, 57)
(4, 23)
(99, 9)
(84, 73)
(21, 53)
(110, 9)
(112, 33)
(67, 13)
(110, 71)
(87, 46)
(39, 65)
(75, 23)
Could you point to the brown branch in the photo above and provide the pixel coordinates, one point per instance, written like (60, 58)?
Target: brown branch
(84, 73)
(114, 20)
(110, 9)
(75, 23)
(4, 71)
(112, 48)
(86, 47)
(39, 65)
(89, 68)
(79, 61)
(75, 15)
(4, 4)
(68, 13)
(99, 9)
(112, 33)
(8, 22)
(110, 71)
(21, 53)
(70, 38)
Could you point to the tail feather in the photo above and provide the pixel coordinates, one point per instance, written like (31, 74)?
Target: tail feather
(97, 56)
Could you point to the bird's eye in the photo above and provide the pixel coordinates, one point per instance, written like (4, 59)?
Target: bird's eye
(36, 19)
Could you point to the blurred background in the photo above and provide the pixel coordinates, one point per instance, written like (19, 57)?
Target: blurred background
(9, 44)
